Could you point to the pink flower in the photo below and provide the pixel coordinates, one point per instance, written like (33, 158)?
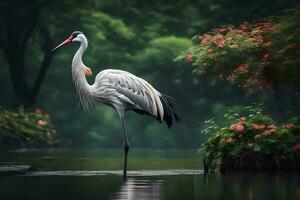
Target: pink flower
(272, 126)
(47, 115)
(221, 30)
(267, 43)
(289, 126)
(243, 68)
(230, 140)
(38, 111)
(265, 57)
(232, 127)
(273, 130)
(258, 126)
(239, 128)
(257, 136)
(270, 132)
(243, 118)
(189, 58)
(41, 122)
(296, 147)
(249, 145)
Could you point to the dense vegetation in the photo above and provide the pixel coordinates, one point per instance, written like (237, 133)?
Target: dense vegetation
(20, 129)
(249, 139)
(254, 56)
(259, 56)
(142, 37)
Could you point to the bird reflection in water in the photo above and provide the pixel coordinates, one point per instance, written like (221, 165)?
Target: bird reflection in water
(133, 189)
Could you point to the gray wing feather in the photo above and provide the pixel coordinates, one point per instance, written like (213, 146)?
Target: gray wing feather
(131, 90)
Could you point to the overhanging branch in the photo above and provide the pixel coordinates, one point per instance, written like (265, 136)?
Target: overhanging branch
(48, 56)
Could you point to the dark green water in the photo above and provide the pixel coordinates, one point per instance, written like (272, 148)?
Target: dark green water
(148, 179)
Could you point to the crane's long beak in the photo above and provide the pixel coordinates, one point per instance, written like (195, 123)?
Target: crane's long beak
(67, 41)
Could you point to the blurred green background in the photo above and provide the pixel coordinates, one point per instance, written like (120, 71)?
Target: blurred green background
(142, 37)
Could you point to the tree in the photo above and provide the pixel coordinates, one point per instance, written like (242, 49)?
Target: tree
(254, 56)
(33, 23)
(19, 19)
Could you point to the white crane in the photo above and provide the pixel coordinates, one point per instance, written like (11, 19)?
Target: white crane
(118, 89)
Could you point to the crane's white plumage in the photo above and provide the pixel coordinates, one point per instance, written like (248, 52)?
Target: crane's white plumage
(119, 89)
(126, 91)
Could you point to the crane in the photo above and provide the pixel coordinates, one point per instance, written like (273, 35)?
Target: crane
(119, 89)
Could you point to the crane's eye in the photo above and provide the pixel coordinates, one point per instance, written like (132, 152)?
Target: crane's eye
(74, 34)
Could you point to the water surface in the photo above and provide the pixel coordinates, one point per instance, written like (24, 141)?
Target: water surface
(154, 174)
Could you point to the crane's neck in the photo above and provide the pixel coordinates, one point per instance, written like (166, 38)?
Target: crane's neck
(83, 88)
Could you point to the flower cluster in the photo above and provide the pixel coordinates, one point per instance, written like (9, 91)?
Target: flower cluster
(252, 55)
(42, 115)
(254, 133)
(21, 128)
(296, 147)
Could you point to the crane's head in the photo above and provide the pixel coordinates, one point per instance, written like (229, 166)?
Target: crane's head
(76, 36)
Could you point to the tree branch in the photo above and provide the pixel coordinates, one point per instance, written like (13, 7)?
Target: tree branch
(48, 56)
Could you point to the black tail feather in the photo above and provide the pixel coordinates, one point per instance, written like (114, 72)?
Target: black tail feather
(169, 111)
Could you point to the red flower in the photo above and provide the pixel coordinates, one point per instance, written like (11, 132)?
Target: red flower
(268, 43)
(242, 32)
(270, 132)
(232, 127)
(296, 147)
(243, 118)
(221, 30)
(239, 128)
(41, 122)
(205, 38)
(257, 136)
(258, 126)
(189, 58)
(272, 126)
(242, 68)
(265, 57)
(289, 126)
(38, 111)
(47, 115)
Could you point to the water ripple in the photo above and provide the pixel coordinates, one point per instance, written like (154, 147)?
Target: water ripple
(139, 189)
(117, 172)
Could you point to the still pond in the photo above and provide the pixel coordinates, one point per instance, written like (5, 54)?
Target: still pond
(153, 174)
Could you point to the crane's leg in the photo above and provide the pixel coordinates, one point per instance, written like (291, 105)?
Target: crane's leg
(126, 145)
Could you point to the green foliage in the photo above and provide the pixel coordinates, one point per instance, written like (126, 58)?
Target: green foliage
(140, 37)
(26, 129)
(161, 51)
(249, 131)
(263, 54)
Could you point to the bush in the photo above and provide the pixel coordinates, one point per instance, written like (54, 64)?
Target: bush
(20, 129)
(252, 140)
(259, 55)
